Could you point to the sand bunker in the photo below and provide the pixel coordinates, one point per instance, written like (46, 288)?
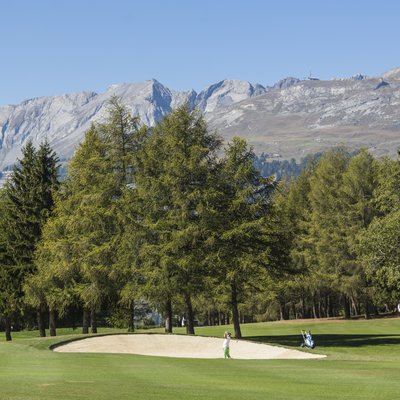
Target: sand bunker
(180, 346)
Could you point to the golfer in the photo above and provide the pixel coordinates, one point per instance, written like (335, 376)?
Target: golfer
(225, 346)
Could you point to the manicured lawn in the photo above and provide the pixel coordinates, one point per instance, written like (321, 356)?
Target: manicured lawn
(363, 363)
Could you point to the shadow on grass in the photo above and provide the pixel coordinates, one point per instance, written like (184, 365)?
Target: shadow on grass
(337, 340)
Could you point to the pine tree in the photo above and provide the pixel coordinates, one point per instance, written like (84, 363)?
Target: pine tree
(380, 255)
(326, 230)
(28, 201)
(172, 182)
(387, 190)
(123, 133)
(356, 196)
(378, 243)
(10, 290)
(240, 226)
(77, 245)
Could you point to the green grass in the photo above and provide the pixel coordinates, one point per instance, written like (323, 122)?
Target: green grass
(363, 363)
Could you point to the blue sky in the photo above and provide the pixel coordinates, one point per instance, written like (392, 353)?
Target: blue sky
(52, 47)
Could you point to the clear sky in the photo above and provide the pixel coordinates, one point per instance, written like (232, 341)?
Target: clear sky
(52, 47)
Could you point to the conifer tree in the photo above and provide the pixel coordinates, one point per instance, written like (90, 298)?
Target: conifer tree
(77, 244)
(10, 295)
(380, 255)
(378, 249)
(83, 244)
(356, 195)
(28, 202)
(173, 182)
(240, 229)
(326, 231)
(387, 190)
(123, 133)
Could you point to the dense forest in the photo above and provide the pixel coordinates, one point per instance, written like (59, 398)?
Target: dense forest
(270, 166)
(158, 220)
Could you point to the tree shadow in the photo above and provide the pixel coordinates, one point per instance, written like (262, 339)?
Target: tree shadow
(327, 340)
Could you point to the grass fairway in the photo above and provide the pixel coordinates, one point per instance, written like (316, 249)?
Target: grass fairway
(363, 363)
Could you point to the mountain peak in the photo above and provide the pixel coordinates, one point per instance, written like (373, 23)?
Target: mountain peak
(225, 93)
(285, 83)
(272, 118)
(392, 74)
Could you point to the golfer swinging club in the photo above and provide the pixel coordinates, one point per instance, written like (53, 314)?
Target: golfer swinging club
(225, 346)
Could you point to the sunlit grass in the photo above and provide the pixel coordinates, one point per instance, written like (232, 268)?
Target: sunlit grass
(363, 363)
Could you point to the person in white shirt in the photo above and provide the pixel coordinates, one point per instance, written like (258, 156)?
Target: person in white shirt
(225, 346)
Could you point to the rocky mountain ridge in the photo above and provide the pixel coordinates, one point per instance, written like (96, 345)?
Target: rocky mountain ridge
(289, 119)
(314, 115)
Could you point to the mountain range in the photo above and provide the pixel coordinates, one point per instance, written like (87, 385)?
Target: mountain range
(290, 119)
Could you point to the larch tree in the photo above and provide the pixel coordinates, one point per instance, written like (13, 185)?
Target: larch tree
(240, 224)
(77, 245)
(378, 248)
(82, 243)
(358, 205)
(172, 182)
(326, 231)
(28, 202)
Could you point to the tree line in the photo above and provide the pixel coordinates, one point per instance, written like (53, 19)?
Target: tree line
(170, 216)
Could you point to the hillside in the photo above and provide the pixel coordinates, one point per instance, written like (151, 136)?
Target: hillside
(290, 119)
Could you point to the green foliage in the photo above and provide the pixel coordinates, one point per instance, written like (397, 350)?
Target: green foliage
(124, 134)
(380, 252)
(241, 226)
(76, 252)
(166, 216)
(26, 203)
(172, 183)
(29, 194)
(387, 191)
(378, 247)
(79, 259)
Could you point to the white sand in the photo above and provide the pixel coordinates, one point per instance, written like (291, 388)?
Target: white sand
(180, 346)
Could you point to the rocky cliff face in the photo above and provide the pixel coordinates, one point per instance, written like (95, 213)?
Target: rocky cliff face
(291, 118)
(63, 120)
(312, 115)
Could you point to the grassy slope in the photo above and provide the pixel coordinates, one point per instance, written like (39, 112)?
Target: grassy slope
(362, 363)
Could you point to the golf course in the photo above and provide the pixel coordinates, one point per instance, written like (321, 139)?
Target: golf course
(362, 362)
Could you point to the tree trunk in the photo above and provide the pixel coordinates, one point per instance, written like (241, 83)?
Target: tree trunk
(314, 309)
(355, 308)
(52, 322)
(346, 307)
(293, 310)
(331, 311)
(131, 319)
(39, 316)
(85, 321)
(168, 316)
(303, 308)
(283, 313)
(8, 329)
(190, 316)
(367, 313)
(93, 320)
(328, 306)
(235, 312)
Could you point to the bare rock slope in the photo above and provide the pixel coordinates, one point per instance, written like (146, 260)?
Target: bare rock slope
(291, 119)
